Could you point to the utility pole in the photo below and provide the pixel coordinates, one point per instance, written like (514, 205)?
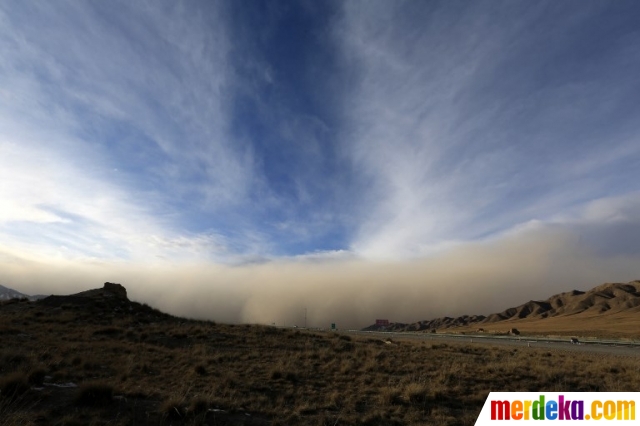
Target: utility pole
(305, 317)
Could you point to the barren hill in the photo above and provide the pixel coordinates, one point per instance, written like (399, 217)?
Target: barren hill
(110, 291)
(434, 324)
(7, 293)
(614, 297)
(609, 309)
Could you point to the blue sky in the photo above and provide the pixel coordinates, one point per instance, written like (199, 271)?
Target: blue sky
(237, 133)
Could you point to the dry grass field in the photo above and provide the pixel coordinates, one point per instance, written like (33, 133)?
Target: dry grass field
(618, 325)
(105, 360)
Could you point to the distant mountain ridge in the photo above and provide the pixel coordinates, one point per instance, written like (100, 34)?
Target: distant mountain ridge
(7, 293)
(605, 298)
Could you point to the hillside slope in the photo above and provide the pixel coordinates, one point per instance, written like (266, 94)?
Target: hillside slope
(609, 309)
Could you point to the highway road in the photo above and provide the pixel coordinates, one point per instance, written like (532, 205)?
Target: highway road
(605, 347)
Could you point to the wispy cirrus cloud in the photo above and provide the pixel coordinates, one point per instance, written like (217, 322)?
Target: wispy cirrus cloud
(114, 117)
(472, 119)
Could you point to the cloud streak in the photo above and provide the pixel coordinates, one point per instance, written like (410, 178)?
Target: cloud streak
(466, 131)
(116, 121)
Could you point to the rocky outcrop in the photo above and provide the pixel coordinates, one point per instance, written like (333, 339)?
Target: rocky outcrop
(116, 289)
(112, 291)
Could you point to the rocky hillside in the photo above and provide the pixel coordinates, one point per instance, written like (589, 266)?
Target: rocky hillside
(102, 304)
(607, 298)
(108, 291)
(613, 297)
(434, 324)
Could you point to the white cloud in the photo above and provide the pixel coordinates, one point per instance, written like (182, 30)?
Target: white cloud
(89, 89)
(459, 138)
(51, 204)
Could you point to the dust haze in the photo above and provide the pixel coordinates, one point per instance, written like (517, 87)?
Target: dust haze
(471, 278)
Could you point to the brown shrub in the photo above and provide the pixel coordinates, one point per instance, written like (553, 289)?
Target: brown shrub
(390, 396)
(95, 394)
(36, 377)
(13, 385)
(173, 409)
(416, 393)
(199, 405)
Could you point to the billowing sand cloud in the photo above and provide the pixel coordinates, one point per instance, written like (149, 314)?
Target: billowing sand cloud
(473, 278)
